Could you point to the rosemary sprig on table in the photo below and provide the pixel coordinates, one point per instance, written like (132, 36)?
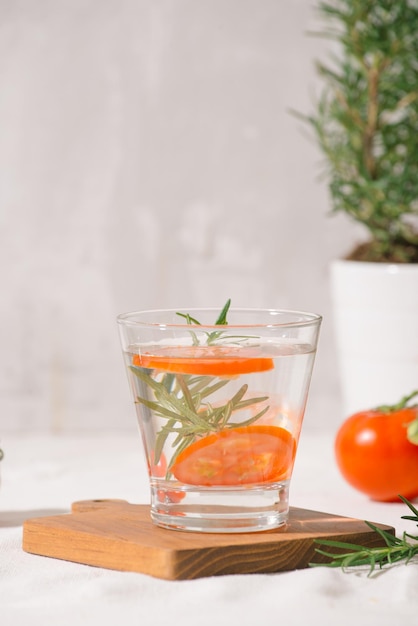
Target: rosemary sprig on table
(395, 550)
(179, 399)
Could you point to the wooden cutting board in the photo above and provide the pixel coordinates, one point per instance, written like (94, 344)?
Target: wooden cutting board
(117, 535)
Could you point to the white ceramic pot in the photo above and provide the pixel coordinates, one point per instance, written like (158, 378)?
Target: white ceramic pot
(375, 309)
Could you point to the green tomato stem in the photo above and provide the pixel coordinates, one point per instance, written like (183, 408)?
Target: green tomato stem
(411, 427)
(391, 408)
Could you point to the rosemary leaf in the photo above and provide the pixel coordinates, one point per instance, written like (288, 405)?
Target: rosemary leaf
(158, 408)
(210, 389)
(251, 420)
(240, 393)
(189, 318)
(161, 439)
(225, 415)
(222, 319)
(180, 447)
(414, 517)
(389, 539)
(236, 339)
(186, 393)
(250, 401)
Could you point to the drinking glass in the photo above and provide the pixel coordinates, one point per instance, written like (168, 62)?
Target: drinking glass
(219, 399)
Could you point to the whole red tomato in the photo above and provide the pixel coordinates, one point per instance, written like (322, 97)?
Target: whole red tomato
(374, 454)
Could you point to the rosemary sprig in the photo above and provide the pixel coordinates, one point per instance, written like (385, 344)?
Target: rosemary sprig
(394, 550)
(179, 400)
(216, 335)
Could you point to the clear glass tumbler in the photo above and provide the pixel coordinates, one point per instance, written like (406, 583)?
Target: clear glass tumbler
(220, 399)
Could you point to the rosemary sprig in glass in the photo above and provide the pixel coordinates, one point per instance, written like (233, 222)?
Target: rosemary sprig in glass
(181, 399)
(215, 336)
(394, 550)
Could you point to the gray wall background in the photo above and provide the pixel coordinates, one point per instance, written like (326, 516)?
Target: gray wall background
(148, 159)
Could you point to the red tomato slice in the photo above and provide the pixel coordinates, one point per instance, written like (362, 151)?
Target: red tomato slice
(237, 456)
(206, 361)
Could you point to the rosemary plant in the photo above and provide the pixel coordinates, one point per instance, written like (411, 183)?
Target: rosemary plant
(366, 122)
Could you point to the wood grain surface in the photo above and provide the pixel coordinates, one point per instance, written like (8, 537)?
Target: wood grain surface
(115, 534)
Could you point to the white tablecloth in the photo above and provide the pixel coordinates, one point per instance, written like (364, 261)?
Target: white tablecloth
(43, 475)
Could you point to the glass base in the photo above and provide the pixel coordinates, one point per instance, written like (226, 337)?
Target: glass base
(220, 510)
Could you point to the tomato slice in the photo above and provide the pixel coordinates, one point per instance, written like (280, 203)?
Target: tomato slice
(237, 456)
(206, 361)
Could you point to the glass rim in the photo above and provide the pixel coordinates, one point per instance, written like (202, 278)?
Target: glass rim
(127, 319)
